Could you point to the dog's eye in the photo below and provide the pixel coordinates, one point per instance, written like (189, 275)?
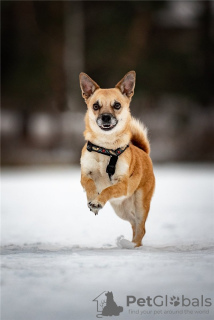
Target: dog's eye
(96, 106)
(117, 105)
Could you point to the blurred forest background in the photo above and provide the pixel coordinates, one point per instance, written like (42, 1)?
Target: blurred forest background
(46, 44)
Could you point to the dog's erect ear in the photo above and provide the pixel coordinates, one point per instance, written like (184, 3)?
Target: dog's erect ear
(87, 85)
(127, 84)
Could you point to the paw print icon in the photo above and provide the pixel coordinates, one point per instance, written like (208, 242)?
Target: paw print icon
(174, 301)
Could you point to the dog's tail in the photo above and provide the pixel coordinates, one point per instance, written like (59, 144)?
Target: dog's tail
(139, 135)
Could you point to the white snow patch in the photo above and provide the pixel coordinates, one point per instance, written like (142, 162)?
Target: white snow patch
(124, 243)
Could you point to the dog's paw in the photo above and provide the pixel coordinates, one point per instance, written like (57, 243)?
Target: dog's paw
(94, 206)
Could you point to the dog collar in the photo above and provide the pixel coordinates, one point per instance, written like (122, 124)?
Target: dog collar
(114, 154)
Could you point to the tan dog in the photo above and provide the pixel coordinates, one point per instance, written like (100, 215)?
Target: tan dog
(115, 164)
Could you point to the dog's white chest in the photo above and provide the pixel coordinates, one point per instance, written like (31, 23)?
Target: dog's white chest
(94, 166)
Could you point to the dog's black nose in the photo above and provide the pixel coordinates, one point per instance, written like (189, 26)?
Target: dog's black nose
(106, 117)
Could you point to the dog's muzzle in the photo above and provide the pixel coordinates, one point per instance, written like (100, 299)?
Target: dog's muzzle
(106, 121)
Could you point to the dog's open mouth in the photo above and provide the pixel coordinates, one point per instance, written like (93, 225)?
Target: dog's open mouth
(106, 121)
(107, 127)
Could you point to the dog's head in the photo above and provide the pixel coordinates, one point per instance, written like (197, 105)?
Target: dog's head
(108, 109)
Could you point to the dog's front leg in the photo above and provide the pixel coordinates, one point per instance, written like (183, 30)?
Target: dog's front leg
(115, 191)
(91, 192)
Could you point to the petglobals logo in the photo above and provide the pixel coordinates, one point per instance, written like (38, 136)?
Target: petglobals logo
(166, 301)
(106, 306)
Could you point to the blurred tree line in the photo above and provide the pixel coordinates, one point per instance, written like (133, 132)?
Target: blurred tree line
(46, 44)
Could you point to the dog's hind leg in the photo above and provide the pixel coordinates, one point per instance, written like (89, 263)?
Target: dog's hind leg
(142, 206)
(125, 210)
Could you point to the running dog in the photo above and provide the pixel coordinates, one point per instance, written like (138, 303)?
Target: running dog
(115, 161)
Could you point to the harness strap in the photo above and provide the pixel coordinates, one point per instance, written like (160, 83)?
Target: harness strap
(113, 154)
(111, 167)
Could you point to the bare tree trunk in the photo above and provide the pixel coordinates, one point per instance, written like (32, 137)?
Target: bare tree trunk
(74, 51)
(207, 53)
(25, 25)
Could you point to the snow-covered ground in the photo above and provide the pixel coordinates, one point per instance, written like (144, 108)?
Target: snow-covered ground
(57, 256)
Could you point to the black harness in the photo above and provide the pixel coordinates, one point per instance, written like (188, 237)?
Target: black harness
(113, 154)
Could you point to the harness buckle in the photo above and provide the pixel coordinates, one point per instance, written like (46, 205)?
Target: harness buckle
(110, 169)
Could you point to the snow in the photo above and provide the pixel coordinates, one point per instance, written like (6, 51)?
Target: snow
(57, 256)
(124, 243)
